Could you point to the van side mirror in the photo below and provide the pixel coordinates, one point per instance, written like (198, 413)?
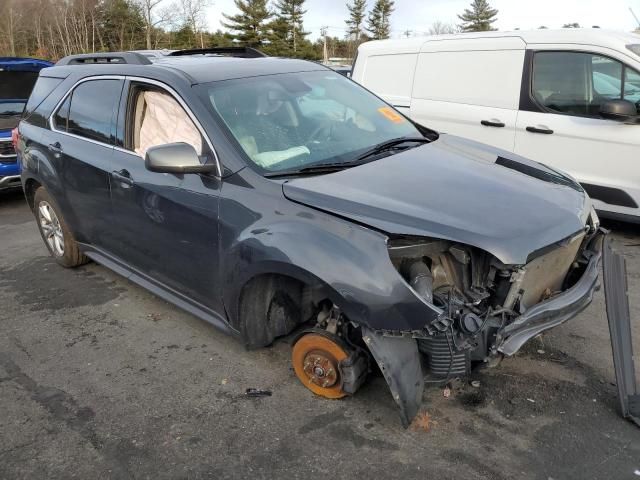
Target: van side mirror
(175, 158)
(619, 110)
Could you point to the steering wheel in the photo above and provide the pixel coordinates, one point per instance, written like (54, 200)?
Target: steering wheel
(321, 132)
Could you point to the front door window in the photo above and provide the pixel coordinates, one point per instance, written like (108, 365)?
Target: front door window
(578, 83)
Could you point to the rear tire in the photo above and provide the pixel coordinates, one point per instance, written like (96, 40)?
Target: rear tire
(57, 237)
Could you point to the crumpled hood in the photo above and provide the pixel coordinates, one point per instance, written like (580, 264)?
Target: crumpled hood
(455, 189)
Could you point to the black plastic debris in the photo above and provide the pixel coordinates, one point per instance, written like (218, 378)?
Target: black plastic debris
(255, 392)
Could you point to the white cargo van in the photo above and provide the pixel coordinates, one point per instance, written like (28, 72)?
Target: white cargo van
(567, 98)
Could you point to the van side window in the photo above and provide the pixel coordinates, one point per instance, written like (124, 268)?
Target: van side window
(156, 118)
(578, 83)
(632, 87)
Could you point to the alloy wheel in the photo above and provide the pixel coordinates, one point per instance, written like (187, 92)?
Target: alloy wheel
(51, 229)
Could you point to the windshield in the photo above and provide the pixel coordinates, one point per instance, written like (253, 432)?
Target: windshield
(293, 120)
(10, 108)
(10, 113)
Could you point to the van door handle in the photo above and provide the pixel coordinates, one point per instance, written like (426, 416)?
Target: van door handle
(492, 123)
(124, 177)
(55, 148)
(545, 131)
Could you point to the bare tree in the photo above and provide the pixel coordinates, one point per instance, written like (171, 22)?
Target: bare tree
(440, 28)
(10, 20)
(193, 14)
(154, 17)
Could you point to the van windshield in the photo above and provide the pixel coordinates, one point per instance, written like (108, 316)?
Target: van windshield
(290, 121)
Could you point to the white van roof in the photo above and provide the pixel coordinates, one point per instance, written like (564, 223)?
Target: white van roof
(613, 39)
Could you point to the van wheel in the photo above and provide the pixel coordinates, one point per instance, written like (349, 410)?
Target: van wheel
(54, 231)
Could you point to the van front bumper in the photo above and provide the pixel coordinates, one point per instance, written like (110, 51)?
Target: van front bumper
(557, 310)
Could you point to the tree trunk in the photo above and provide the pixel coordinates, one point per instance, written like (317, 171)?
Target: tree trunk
(148, 26)
(12, 42)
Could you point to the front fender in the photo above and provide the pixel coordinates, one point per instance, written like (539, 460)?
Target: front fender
(349, 261)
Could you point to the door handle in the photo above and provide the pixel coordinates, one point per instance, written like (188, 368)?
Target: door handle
(543, 130)
(492, 123)
(124, 177)
(55, 148)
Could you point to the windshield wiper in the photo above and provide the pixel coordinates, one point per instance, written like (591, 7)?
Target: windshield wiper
(388, 145)
(321, 168)
(313, 169)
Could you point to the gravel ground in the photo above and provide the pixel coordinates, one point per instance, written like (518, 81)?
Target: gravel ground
(101, 379)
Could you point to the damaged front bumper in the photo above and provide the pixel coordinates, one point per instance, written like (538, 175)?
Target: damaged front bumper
(399, 359)
(557, 310)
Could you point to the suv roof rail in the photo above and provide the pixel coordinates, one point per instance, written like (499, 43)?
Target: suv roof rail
(240, 52)
(129, 58)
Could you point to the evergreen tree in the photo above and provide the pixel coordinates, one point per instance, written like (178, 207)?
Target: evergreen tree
(290, 13)
(277, 39)
(220, 39)
(479, 17)
(378, 23)
(250, 23)
(357, 16)
(121, 26)
(184, 37)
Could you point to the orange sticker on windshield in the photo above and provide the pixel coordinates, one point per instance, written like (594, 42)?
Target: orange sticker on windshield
(391, 115)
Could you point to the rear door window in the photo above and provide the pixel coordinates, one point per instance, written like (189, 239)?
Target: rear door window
(92, 110)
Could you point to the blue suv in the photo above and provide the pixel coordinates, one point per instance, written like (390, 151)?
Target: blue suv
(17, 78)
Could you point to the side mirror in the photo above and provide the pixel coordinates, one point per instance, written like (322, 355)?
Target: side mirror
(175, 158)
(619, 110)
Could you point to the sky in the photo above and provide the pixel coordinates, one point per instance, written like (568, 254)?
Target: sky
(418, 15)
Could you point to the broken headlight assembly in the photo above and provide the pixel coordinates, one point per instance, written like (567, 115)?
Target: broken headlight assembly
(480, 297)
(469, 286)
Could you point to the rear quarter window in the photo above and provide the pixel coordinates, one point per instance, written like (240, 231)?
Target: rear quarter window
(42, 89)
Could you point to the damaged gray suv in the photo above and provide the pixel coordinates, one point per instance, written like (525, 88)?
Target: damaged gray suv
(275, 197)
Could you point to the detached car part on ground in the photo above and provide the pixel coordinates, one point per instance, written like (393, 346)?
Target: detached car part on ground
(318, 212)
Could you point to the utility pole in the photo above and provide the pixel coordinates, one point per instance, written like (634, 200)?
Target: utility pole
(325, 52)
(407, 33)
(634, 16)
